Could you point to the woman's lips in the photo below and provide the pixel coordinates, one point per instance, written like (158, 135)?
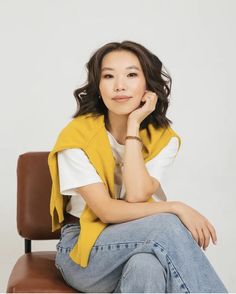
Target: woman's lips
(121, 98)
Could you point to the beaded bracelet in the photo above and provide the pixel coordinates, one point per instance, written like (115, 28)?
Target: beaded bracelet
(134, 137)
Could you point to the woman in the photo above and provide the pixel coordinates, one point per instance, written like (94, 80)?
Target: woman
(119, 234)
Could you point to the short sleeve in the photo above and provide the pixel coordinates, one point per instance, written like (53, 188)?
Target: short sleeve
(158, 165)
(75, 170)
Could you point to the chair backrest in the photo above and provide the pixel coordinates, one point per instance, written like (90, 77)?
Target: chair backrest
(33, 197)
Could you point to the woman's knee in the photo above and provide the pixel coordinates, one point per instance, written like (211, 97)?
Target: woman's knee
(169, 226)
(166, 220)
(171, 219)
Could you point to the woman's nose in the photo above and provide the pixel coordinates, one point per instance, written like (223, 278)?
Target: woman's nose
(119, 85)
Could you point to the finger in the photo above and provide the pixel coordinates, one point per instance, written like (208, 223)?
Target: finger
(148, 102)
(152, 97)
(146, 97)
(151, 101)
(212, 232)
(150, 94)
(206, 233)
(201, 238)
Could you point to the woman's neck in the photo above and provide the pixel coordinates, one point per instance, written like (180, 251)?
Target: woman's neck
(117, 126)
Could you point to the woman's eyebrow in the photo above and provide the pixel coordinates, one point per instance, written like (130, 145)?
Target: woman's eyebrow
(129, 67)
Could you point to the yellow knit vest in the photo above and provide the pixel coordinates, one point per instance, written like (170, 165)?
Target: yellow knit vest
(89, 134)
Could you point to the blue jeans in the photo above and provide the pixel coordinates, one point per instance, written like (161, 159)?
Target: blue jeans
(154, 254)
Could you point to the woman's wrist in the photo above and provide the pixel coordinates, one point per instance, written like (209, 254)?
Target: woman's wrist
(133, 128)
(175, 207)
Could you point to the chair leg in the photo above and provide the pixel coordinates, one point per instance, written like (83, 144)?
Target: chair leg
(27, 246)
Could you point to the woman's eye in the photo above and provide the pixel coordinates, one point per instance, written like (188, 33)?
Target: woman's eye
(107, 76)
(133, 74)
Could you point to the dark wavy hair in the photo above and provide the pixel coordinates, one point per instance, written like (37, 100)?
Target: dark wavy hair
(157, 80)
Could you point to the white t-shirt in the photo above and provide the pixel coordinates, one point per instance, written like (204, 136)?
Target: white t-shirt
(75, 170)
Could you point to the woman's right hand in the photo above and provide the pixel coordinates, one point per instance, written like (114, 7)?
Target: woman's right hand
(200, 228)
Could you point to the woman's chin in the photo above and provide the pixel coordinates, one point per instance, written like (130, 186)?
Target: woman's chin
(121, 112)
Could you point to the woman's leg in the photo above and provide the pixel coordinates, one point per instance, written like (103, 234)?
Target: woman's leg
(163, 235)
(142, 273)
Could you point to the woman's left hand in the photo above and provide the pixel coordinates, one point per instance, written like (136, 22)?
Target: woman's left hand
(139, 114)
(200, 228)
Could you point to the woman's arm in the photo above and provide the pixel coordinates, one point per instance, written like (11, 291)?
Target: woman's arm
(139, 185)
(112, 211)
(200, 228)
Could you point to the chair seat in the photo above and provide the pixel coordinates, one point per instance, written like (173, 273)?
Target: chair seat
(36, 272)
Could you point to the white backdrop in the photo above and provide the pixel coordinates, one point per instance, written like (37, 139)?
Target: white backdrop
(43, 51)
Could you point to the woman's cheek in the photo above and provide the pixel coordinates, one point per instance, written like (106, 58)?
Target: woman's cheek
(136, 104)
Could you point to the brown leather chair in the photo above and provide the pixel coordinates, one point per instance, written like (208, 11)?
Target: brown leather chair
(35, 271)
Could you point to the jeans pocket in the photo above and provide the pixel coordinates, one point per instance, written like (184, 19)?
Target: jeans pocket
(69, 228)
(69, 237)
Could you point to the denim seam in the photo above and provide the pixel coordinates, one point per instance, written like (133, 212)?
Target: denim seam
(183, 283)
(118, 243)
(63, 249)
(170, 261)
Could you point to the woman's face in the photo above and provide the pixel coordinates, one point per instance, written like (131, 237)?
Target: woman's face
(122, 75)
